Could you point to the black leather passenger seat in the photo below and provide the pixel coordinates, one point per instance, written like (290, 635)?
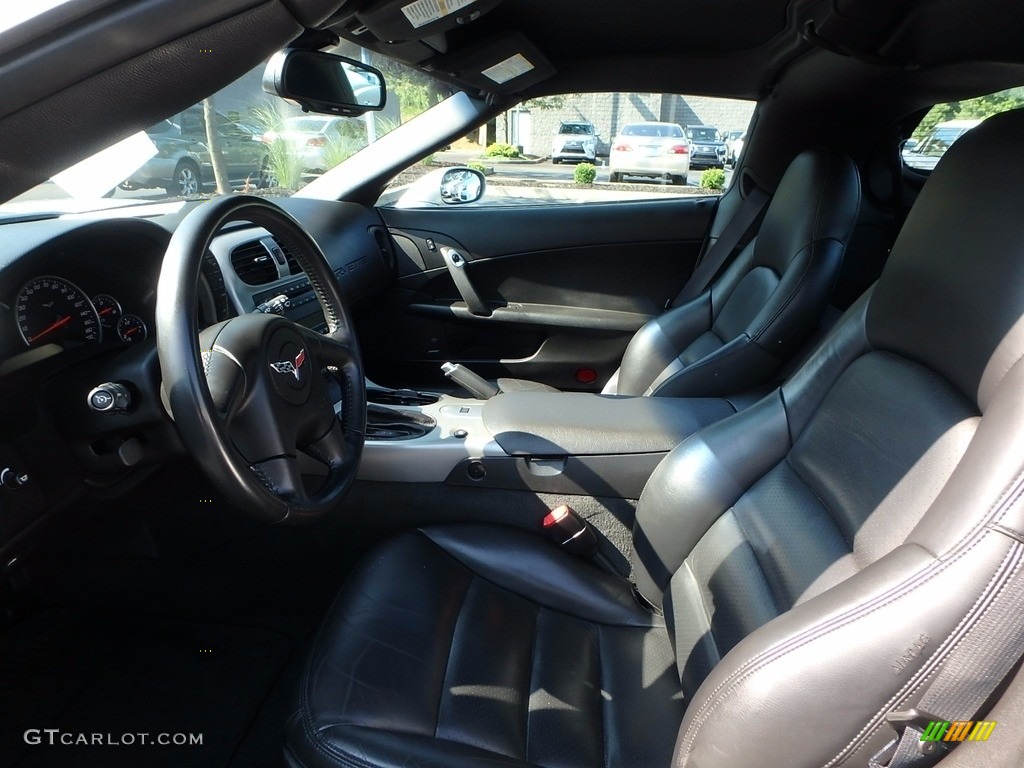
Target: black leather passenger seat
(753, 318)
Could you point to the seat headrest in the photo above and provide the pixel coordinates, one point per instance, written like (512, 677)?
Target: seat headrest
(952, 293)
(818, 198)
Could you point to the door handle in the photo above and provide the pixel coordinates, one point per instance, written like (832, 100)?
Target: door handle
(456, 264)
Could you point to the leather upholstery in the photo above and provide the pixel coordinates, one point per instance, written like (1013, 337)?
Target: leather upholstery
(816, 555)
(758, 313)
(502, 650)
(583, 424)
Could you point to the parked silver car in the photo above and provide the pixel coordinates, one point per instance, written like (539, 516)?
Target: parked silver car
(576, 142)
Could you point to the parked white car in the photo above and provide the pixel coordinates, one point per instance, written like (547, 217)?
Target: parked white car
(659, 150)
(924, 155)
(307, 136)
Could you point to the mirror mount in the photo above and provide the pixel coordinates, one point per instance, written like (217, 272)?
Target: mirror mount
(325, 83)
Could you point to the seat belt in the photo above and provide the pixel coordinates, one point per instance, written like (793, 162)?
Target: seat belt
(973, 671)
(720, 251)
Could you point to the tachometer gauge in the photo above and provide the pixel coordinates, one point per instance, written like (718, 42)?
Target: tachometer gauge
(132, 328)
(108, 308)
(50, 309)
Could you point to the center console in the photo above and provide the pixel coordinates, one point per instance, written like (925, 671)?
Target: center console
(546, 442)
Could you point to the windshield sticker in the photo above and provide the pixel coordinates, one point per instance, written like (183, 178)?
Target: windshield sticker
(97, 175)
(509, 69)
(424, 12)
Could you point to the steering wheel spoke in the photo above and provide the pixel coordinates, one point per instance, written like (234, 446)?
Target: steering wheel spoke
(281, 476)
(333, 449)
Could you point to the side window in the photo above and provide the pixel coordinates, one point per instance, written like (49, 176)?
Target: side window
(945, 123)
(601, 147)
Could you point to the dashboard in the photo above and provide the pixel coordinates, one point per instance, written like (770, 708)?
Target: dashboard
(77, 310)
(94, 285)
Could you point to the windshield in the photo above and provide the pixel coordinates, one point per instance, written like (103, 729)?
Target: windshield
(14, 14)
(239, 139)
(576, 129)
(702, 134)
(653, 130)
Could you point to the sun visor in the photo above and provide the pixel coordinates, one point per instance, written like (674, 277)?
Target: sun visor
(504, 64)
(402, 20)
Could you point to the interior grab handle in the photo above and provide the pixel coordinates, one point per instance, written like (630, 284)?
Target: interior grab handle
(456, 264)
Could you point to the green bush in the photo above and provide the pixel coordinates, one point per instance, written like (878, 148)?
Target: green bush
(501, 150)
(712, 178)
(340, 148)
(476, 165)
(285, 165)
(585, 173)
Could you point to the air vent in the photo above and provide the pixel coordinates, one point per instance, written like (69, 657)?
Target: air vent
(253, 264)
(215, 279)
(293, 265)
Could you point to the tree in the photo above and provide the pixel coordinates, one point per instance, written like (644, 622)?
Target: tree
(220, 173)
(970, 109)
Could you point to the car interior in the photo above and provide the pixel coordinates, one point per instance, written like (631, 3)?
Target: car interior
(711, 479)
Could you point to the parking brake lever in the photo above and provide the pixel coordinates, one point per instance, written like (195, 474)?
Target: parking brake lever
(456, 264)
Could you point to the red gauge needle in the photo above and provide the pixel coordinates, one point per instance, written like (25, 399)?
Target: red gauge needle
(62, 322)
(106, 311)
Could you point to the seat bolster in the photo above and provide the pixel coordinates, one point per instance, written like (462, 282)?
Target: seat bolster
(533, 567)
(656, 346)
(726, 370)
(833, 667)
(805, 390)
(698, 481)
(781, 326)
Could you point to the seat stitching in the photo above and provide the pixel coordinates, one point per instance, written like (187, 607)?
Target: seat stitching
(529, 683)
(496, 585)
(451, 647)
(600, 697)
(706, 361)
(779, 651)
(338, 753)
(828, 512)
(704, 609)
(796, 288)
(917, 681)
(757, 561)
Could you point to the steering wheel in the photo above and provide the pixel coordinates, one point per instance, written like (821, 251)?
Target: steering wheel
(249, 394)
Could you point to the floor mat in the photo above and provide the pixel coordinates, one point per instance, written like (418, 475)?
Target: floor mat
(106, 680)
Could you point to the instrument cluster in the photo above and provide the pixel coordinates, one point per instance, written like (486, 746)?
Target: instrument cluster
(52, 310)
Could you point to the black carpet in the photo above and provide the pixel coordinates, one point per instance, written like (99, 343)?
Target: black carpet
(87, 672)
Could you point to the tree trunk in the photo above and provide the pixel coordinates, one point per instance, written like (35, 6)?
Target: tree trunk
(220, 172)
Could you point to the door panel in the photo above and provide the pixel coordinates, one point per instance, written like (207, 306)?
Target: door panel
(567, 286)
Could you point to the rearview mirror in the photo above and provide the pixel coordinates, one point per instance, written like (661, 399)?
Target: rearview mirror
(323, 82)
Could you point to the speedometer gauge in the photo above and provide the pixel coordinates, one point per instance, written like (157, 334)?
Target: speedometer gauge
(50, 309)
(108, 309)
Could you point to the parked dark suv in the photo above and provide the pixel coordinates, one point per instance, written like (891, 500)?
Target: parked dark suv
(182, 164)
(707, 147)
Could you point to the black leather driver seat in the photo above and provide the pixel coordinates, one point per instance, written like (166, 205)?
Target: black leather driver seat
(759, 312)
(816, 557)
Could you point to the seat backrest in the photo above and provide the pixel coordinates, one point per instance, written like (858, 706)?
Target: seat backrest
(765, 305)
(819, 554)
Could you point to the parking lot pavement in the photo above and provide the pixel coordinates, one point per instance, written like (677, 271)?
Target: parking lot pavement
(548, 171)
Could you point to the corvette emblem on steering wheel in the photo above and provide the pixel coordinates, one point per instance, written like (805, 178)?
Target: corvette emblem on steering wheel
(294, 368)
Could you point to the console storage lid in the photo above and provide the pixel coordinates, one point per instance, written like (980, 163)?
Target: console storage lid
(580, 424)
